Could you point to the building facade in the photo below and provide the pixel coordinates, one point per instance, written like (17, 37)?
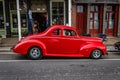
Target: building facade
(97, 16)
(88, 16)
(46, 12)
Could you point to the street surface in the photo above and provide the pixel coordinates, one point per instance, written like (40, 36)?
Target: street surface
(17, 67)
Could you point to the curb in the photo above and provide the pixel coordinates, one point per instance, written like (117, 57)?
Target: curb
(5, 50)
(113, 51)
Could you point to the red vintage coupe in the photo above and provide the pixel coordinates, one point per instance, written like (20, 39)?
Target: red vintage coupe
(60, 41)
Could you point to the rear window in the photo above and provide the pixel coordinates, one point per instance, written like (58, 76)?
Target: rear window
(56, 32)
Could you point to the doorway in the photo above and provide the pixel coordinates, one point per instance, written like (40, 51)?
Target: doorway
(111, 20)
(40, 18)
(95, 20)
(81, 19)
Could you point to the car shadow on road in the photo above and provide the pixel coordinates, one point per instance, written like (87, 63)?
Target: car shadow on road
(52, 58)
(23, 57)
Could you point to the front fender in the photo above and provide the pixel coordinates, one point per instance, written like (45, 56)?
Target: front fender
(87, 49)
(23, 46)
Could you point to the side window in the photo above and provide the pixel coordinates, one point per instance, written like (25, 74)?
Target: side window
(73, 33)
(67, 32)
(56, 32)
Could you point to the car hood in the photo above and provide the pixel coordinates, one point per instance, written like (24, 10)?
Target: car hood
(91, 39)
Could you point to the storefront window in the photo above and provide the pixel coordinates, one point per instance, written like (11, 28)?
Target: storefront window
(57, 13)
(23, 21)
(1, 16)
(14, 17)
(110, 17)
(94, 17)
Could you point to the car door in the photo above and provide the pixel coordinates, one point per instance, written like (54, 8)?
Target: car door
(70, 42)
(53, 42)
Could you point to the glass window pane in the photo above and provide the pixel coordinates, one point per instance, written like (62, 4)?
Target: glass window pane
(96, 24)
(109, 8)
(110, 15)
(67, 32)
(94, 8)
(57, 32)
(111, 22)
(1, 15)
(14, 18)
(79, 8)
(57, 13)
(96, 16)
(23, 21)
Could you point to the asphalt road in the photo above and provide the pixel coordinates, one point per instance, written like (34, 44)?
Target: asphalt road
(75, 69)
(17, 67)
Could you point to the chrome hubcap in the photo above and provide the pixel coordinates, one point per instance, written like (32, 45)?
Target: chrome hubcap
(35, 52)
(96, 53)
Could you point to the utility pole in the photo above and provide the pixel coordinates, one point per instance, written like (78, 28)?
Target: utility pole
(19, 20)
(69, 12)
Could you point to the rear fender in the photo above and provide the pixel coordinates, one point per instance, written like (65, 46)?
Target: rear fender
(39, 44)
(24, 46)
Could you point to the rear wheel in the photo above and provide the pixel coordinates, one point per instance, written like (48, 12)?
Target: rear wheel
(35, 53)
(96, 54)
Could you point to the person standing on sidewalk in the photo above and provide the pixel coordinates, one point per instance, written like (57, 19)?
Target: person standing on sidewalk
(36, 27)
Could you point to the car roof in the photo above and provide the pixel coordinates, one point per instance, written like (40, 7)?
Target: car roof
(62, 27)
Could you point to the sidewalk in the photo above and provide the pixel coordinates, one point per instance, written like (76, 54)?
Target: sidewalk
(5, 49)
(111, 48)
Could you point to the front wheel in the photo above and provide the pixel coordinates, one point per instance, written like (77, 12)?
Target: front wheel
(96, 54)
(35, 53)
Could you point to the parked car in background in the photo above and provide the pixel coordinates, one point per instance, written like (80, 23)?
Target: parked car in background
(117, 45)
(60, 41)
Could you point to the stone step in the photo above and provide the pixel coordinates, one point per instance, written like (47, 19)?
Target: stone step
(8, 42)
